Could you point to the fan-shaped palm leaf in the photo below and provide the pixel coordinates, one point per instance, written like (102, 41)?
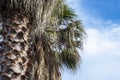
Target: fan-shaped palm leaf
(69, 36)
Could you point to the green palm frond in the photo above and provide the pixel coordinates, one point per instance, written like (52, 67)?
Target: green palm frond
(62, 12)
(70, 59)
(65, 35)
(68, 13)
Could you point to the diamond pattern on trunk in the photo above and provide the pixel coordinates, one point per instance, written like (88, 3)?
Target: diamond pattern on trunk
(15, 60)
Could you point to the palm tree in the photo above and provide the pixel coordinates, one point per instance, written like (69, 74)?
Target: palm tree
(37, 39)
(64, 36)
(22, 21)
(70, 35)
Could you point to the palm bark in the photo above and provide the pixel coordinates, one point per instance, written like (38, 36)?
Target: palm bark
(19, 59)
(15, 49)
(44, 69)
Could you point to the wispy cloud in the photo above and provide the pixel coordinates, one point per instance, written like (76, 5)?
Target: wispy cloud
(104, 41)
(102, 54)
(101, 58)
(100, 32)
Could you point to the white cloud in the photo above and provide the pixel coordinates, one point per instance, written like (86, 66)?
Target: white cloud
(102, 53)
(103, 41)
(101, 58)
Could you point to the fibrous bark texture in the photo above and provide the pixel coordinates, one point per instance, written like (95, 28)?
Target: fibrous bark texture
(15, 51)
(38, 11)
(45, 68)
(19, 58)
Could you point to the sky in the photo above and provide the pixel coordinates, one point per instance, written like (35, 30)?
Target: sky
(101, 53)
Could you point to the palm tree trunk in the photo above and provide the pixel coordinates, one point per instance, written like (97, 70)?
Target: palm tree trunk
(44, 69)
(15, 61)
(18, 60)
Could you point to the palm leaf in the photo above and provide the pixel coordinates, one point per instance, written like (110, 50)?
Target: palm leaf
(70, 58)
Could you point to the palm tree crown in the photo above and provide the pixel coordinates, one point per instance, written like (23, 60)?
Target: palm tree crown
(65, 36)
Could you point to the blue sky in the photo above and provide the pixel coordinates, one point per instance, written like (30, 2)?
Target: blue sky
(101, 54)
(107, 9)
